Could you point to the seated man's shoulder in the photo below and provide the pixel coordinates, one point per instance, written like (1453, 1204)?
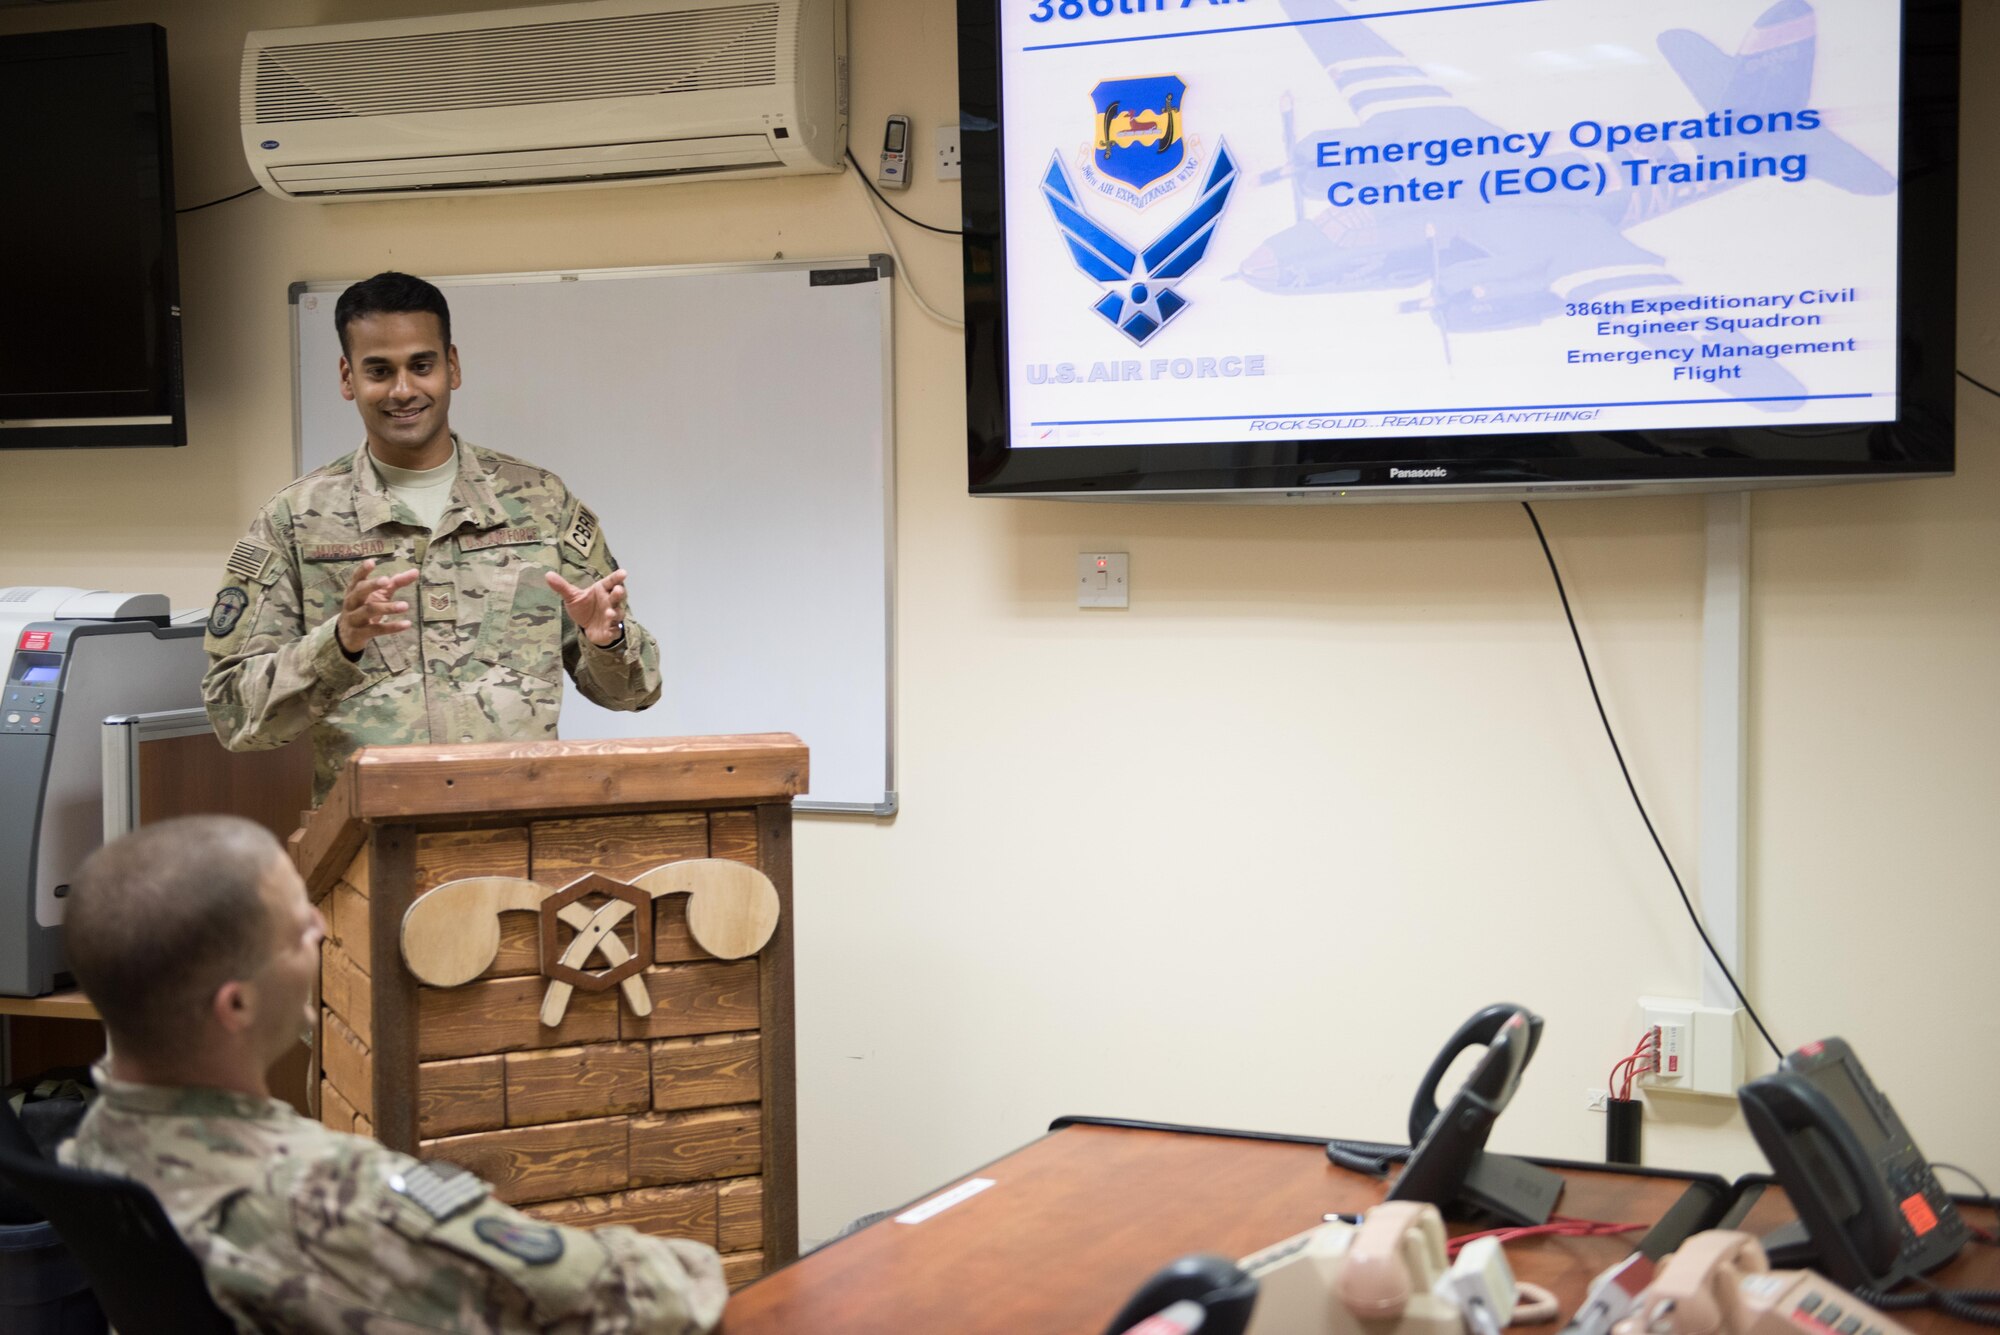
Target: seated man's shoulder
(189, 1130)
(342, 1195)
(200, 1152)
(371, 1235)
(335, 1242)
(335, 1184)
(302, 1228)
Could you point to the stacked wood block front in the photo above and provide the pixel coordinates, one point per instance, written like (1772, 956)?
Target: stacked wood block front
(347, 1022)
(606, 1118)
(677, 1123)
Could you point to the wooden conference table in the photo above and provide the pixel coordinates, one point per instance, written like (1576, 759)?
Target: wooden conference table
(1077, 1220)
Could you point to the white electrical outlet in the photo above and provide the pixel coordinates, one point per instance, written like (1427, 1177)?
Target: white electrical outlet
(1700, 1050)
(947, 153)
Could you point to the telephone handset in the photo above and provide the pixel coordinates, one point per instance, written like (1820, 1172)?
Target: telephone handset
(1342, 1279)
(1201, 1293)
(1398, 1252)
(1721, 1283)
(1481, 1029)
(1699, 1289)
(1387, 1275)
(1449, 1164)
(1871, 1212)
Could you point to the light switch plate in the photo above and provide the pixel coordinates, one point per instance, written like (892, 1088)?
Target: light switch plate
(1103, 579)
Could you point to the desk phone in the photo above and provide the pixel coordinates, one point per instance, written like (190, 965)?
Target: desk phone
(1871, 1212)
(1721, 1283)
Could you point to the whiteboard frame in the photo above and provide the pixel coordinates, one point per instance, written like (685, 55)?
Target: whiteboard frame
(885, 271)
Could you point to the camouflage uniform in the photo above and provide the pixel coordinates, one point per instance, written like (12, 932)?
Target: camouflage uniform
(302, 1228)
(484, 658)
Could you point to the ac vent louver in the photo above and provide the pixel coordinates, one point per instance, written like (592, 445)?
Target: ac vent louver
(572, 61)
(571, 96)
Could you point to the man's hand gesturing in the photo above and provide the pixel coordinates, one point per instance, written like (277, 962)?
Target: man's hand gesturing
(368, 610)
(598, 611)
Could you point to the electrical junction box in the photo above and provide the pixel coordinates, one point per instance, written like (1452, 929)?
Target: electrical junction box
(1700, 1048)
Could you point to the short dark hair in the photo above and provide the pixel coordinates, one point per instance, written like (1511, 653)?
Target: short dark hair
(160, 919)
(390, 293)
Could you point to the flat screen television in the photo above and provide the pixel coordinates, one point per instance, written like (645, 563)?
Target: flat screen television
(90, 338)
(1405, 249)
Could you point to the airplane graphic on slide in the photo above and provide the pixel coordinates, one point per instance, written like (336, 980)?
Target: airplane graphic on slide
(1515, 263)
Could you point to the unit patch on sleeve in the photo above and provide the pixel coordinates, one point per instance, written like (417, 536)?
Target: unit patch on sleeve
(536, 1244)
(228, 610)
(582, 531)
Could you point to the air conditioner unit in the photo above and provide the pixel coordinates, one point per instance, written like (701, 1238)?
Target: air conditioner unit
(605, 92)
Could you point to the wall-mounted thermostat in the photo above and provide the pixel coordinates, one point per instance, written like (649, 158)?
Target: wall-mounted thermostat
(894, 173)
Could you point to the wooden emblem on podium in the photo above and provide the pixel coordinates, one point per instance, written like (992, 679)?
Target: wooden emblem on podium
(596, 934)
(451, 934)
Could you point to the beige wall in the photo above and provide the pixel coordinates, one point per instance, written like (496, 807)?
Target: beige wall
(1246, 852)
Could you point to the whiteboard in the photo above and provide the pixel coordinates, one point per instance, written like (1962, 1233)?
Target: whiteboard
(731, 425)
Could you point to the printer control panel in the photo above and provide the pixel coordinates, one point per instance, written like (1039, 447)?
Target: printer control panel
(28, 700)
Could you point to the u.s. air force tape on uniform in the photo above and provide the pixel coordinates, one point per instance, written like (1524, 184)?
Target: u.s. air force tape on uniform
(442, 1190)
(498, 537)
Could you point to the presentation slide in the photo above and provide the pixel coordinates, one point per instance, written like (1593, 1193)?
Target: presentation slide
(1247, 220)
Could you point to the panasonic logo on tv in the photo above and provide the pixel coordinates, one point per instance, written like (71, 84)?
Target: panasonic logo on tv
(1395, 472)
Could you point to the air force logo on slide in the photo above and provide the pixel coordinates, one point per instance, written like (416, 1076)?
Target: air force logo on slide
(1139, 156)
(1140, 298)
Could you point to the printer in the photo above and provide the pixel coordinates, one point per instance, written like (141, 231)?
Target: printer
(72, 656)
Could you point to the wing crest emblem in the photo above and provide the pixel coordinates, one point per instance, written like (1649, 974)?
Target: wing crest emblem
(1141, 298)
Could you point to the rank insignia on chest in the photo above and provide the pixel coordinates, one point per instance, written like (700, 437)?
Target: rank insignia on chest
(438, 601)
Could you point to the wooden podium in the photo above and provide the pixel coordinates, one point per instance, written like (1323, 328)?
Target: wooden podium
(679, 1122)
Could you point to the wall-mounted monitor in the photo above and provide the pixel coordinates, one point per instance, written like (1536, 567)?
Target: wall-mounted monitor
(90, 338)
(1402, 249)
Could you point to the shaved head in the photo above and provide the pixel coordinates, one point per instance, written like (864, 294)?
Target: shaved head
(162, 918)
